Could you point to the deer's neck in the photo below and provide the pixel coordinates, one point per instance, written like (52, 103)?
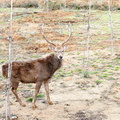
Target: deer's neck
(54, 63)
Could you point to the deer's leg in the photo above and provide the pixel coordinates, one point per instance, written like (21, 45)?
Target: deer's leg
(14, 86)
(46, 84)
(37, 88)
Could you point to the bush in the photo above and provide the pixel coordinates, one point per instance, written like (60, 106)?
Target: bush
(20, 3)
(55, 5)
(74, 6)
(27, 4)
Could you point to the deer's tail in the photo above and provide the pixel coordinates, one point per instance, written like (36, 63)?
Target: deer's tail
(5, 70)
(5, 74)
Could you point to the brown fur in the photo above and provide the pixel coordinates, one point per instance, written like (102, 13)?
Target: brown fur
(35, 71)
(2, 86)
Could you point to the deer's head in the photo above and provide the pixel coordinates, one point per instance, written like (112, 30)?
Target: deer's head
(58, 48)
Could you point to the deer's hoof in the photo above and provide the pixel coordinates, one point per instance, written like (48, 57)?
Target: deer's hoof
(34, 106)
(23, 104)
(50, 103)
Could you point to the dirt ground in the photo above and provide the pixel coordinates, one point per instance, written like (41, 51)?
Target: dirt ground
(75, 97)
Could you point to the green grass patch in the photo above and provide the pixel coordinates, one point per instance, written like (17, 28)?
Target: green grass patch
(109, 65)
(105, 70)
(60, 70)
(92, 85)
(30, 99)
(40, 96)
(104, 75)
(56, 76)
(1, 43)
(111, 78)
(2, 61)
(78, 70)
(84, 88)
(94, 72)
(98, 82)
(94, 65)
(29, 85)
(75, 65)
(86, 74)
(69, 72)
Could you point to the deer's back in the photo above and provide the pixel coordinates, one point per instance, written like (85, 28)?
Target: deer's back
(34, 70)
(24, 71)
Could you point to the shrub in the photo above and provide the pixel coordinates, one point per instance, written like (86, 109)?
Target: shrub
(27, 4)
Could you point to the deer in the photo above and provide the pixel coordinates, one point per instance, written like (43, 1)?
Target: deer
(38, 71)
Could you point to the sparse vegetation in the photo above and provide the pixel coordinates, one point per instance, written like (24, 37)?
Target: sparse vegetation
(86, 74)
(70, 87)
(2, 61)
(99, 82)
(31, 98)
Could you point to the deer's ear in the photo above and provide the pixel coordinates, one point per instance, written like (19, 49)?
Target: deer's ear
(66, 47)
(51, 47)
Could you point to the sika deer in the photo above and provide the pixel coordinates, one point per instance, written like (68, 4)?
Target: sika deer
(36, 71)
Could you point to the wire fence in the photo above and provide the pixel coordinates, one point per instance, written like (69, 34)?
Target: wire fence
(24, 27)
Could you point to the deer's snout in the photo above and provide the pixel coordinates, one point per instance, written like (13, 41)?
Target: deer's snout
(60, 57)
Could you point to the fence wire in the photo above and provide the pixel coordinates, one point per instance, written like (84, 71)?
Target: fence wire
(29, 44)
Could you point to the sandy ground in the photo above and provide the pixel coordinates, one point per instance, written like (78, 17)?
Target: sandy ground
(74, 96)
